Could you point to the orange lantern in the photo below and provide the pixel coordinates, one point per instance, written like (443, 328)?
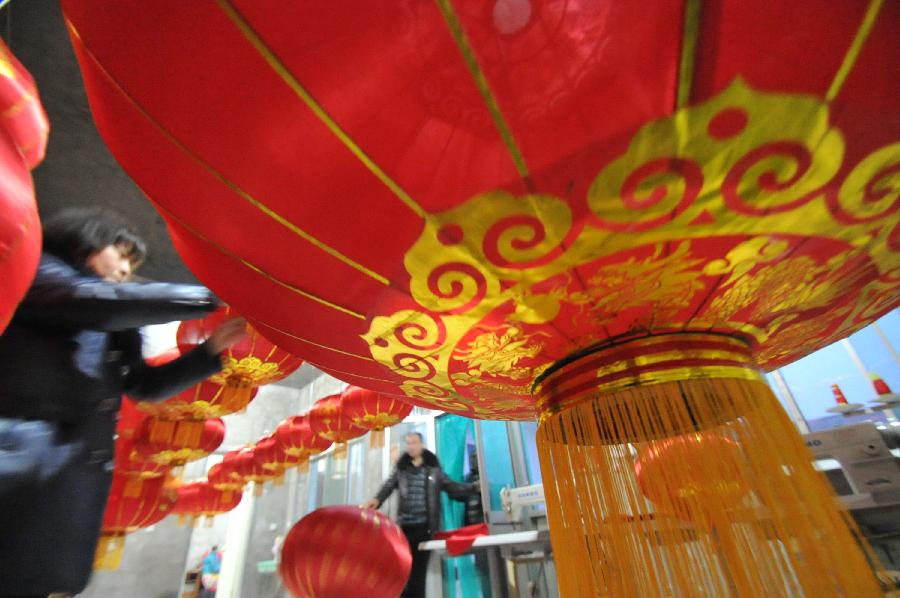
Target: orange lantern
(174, 443)
(299, 440)
(23, 139)
(610, 218)
(345, 551)
(676, 476)
(126, 514)
(373, 411)
(328, 420)
(254, 361)
(201, 401)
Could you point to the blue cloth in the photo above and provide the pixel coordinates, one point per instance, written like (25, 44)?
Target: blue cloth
(212, 563)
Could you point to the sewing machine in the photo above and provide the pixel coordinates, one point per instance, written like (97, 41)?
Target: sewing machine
(862, 462)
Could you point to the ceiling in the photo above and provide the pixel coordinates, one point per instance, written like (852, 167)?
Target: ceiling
(78, 169)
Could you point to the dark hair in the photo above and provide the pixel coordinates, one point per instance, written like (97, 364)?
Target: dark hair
(75, 233)
(419, 434)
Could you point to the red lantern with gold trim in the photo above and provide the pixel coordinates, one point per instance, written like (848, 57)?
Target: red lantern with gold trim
(225, 476)
(373, 411)
(253, 361)
(23, 139)
(202, 401)
(299, 440)
(588, 213)
(174, 443)
(342, 551)
(328, 420)
(249, 469)
(270, 454)
(200, 498)
(125, 514)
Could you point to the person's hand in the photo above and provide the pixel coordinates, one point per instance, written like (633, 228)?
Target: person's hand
(226, 334)
(372, 503)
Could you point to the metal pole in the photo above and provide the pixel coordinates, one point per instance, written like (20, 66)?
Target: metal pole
(887, 343)
(790, 403)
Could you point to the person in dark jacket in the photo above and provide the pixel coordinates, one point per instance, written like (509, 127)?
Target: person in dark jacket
(71, 350)
(420, 480)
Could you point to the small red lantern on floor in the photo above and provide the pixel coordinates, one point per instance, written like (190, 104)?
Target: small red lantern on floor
(373, 411)
(328, 420)
(342, 551)
(252, 362)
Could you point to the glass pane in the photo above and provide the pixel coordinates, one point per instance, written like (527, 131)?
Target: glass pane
(529, 448)
(497, 460)
(335, 481)
(356, 473)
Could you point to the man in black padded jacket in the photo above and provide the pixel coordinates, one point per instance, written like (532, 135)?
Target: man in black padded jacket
(71, 350)
(420, 480)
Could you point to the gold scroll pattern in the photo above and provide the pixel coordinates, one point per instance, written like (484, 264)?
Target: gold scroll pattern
(725, 216)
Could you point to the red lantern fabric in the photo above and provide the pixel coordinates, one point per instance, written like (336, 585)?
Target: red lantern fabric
(298, 438)
(371, 410)
(129, 513)
(201, 401)
(23, 139)
(328, 420)
(345, 551)
(224, 476)
(254, 360)
(271, 455)
(177, 442)
(491, 188)
(200, 498)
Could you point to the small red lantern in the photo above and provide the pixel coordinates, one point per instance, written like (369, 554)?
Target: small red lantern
(270, 454)
(253, 361)
(200, 498)
(250, 469)
(176, 442)
(224, 475)
(125, 514)
(328, 420)
(373, 411)
(299, 440)
(345, 551)
(201, 401)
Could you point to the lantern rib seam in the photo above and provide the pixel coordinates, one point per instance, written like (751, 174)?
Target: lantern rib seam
(484, 89)
(855, 49)
(326, 119)
(259, 205)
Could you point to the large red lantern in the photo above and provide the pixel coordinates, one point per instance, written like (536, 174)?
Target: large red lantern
(174, 443)
(607, 217)
(345, 551)
(125, 514)
(23, 139)
(253, 361)
(328, 420)
(373, 411)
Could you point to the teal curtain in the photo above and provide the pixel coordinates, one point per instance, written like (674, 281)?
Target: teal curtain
(451, 449)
